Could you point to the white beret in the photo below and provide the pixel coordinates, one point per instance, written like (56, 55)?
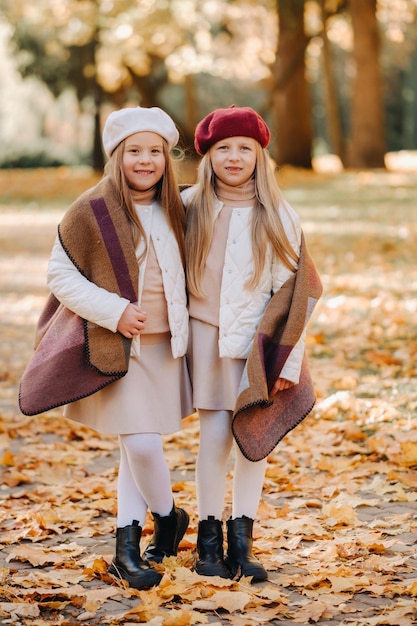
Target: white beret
(120, 124)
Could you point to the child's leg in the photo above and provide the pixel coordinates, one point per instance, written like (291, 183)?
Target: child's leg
(149, 473)
(215, 444)
(130, 502)
(214, 448)
(247, 485)
(247, 490)
(151, 476)
(131, 511)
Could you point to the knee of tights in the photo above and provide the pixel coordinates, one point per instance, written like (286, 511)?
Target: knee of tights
(146, 444)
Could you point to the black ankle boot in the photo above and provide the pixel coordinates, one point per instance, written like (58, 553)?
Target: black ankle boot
(210, 560)
(239, 551)
(128, 564)
(167, 534)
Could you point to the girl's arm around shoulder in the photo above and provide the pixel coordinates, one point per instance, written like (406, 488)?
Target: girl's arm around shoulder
(290, 374)
(186, 194)
(80, 295)
(292, 225)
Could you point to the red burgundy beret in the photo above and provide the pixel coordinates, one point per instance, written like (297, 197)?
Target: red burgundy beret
(231, 122)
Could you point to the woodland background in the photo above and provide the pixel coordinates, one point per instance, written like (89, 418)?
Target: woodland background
(337, 527)
(330, 76)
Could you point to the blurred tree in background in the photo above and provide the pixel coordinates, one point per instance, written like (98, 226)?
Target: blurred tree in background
(367, 137)
(332, 76)
(290, 93)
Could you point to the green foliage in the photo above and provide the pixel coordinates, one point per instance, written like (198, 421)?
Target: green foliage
(34, 60)
(189, 56)
(120, 46)
(29, 161)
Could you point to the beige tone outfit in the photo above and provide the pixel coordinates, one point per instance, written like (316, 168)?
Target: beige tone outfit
(241, 308)
(215, 380)
(128, 406)
(155, 394)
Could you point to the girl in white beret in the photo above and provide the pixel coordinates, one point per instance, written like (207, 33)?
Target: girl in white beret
(118, 264)
(243, 243)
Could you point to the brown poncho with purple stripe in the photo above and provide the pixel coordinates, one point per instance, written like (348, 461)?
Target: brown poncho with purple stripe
(73, 357)
(260, 421)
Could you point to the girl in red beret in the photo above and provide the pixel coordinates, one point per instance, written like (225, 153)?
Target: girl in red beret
(242, 244)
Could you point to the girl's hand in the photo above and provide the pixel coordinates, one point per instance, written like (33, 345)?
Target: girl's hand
(280, 385)
(131, 321)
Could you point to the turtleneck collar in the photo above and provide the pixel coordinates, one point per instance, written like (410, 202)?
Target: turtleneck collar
(145, 197)
(243, 195)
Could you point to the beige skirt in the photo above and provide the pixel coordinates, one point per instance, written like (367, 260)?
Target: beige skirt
(153, 397)
(215, 380)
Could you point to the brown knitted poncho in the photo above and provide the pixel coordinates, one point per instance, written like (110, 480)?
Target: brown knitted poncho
(73, 357)
(259, 420)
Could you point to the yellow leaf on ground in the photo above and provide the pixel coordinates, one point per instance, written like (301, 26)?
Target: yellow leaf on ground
(7, 458)
(408, 456)
(335, 515)
(21, 609)
(42, 556)
(230, 601)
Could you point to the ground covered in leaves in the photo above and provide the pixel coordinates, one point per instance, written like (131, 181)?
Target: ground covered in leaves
(337, 527)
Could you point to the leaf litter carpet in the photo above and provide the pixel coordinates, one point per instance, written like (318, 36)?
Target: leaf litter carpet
(337, 526)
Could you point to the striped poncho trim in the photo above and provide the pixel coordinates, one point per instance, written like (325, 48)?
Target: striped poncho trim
(75, 358)
(260, 421)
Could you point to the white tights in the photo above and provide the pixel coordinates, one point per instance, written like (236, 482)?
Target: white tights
(144, 479)
(216, 441)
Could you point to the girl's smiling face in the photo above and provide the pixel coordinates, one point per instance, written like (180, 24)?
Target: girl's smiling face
(234, 159)
(143, 160)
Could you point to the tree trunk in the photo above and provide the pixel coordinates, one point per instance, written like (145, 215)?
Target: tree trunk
(97, 155)
(334, 126)
(191, 110)
(367, 144)
(290, 92)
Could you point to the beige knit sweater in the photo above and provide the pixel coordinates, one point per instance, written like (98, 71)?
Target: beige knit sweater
(207, 309)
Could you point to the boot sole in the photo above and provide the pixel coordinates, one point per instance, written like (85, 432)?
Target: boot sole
(258, 575)
(256, 578)
(154, 577)
(212, 570)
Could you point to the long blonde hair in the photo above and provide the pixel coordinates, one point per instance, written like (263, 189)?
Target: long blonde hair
(166, 194)
(266, 225)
